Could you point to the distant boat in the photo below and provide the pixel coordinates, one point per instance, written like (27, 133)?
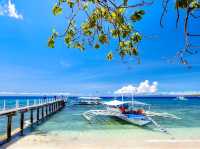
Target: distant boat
(181, 98)
(88, 100)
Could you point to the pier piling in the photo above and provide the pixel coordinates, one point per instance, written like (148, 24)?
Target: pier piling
(31, 116)
(38, 114)
(9, 124)
(42, 112)
(21, 122)
(46, 108)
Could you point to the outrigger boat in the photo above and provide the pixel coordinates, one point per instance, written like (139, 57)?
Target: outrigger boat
(128, 112)
(134, 112)
(181, 98)
(87, 100)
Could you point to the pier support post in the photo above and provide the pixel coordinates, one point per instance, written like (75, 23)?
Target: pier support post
(21, 123)
(31, 116)
(49, 109)
(46, 108)
(52, 107)
(42, 112)
(56, 105)
(9, 126)
(38, 114)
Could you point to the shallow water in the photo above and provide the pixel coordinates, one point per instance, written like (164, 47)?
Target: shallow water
(70, 122)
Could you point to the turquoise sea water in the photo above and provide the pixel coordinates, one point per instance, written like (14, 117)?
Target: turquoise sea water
(69, 121)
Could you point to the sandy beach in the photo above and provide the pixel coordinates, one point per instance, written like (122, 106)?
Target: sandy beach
(101, 141)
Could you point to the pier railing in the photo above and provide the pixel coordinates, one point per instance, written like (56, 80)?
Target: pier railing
(42, 109)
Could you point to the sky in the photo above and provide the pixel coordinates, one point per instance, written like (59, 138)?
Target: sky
(27, 65)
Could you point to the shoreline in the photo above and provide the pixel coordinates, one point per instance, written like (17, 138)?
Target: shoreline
(139, 139)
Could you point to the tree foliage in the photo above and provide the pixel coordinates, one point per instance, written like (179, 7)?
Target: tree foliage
(107, 20)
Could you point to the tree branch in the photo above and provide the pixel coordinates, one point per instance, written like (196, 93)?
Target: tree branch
(143, 3)
(164, 5)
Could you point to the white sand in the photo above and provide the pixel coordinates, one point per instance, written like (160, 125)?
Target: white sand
(101, 141)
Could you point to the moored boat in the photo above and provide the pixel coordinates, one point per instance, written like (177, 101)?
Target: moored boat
(129, 111)
(181, 98)
(88, 100)
(133, 112)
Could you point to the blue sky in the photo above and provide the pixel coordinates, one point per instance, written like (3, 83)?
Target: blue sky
(28, 65)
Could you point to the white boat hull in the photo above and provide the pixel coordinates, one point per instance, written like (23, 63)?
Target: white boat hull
(115, 114)
(138, 122)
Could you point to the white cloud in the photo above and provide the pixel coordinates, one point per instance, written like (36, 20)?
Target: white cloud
(146, 87)
(9, 10)
(12, 12)
(2, 10)
(126, 90)
(143, 88)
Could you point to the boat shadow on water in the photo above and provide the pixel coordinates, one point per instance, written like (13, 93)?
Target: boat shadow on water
(119, 124)
(145, 127)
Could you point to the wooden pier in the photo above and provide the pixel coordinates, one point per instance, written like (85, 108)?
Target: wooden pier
(43, 110)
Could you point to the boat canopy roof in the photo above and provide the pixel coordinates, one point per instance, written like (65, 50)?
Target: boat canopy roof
(118, 103)
(114, 103)
(90, 97)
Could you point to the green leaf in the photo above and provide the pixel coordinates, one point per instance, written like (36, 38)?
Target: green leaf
(109, 56)
(122, 44)
(103, 38)
(141, 12)
(115, 33)
(56, 10)
(51, 42)
(54, 33)
(122, 53)
(137, 15)
(79, 46)
(68, 39)
(70, 3)
(97, 46)
(85, 6)
(134, 51)
(62, 1)
(136, 37)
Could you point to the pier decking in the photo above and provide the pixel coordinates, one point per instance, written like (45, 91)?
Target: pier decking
(42, 110)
